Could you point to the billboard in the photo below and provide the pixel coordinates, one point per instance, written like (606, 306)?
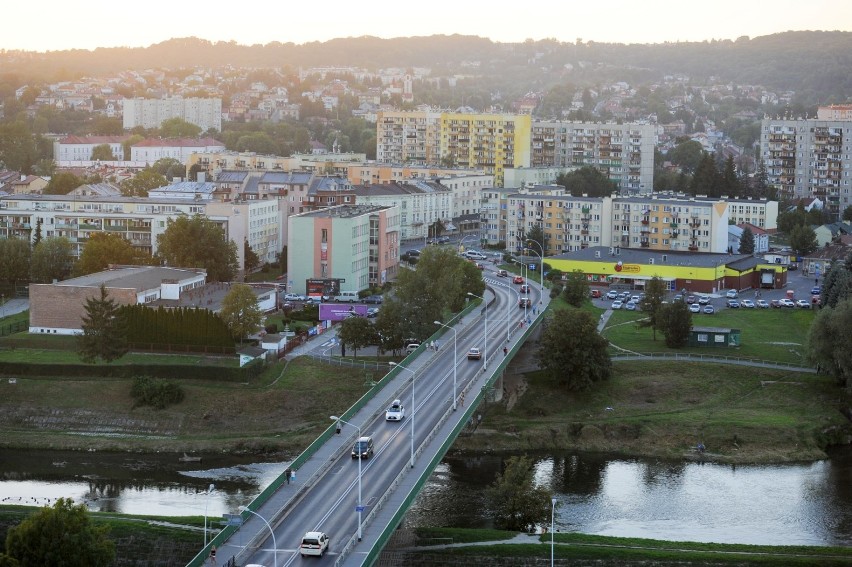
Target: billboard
(340, 311)
(328, 287)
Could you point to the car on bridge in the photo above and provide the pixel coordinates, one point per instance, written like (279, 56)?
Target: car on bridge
(474, 354)
(525, 288)
(518, 280)
(396, 411)
(502, 273)
(363, 448)
(314, 543)
(524, 302)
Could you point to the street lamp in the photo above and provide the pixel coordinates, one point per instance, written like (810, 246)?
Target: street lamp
(413, 375)
(541, 266)
(455, 358)
(541, 272)
(485, 353)
(206, 502)
(274, 545)
(552, 517)
(360, 507)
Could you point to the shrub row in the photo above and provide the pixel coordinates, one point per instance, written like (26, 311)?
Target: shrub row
(214, 373)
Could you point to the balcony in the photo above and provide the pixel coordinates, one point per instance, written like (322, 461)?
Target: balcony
(645, 244)
(693, 248)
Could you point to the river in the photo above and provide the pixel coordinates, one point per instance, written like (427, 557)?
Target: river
(795, 504)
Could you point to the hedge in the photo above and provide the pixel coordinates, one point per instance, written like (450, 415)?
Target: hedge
(180, 371)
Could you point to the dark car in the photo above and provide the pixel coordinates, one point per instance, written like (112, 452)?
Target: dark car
(373, 299)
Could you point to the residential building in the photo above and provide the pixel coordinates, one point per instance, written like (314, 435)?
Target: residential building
(151, 150)
(25, 184)
(374, 173)
(410, 138)
(79, 148)
(735, 236)
(760, 213)
(831, 233)
(213, 162)
(529, 176)
(809, 158)
(624, 153)
(206, 113)
(835, 112)
(420, 205)
(343, 248)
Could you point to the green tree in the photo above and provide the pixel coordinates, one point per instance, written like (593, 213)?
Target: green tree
(240, 311)
(38, 233)
(169, 168)
(803, 240)
(51, 260)
(518, 504)
(687, 155)
(198, 242)
(676, 323)
(706, 179)
(178, 128)
(356, 332)
(391, 326)
(655, 293)
(730, 180)
(251, 261)
(62, 183)
(576, 288)
(572, 351)
(142, 182)
(102, 152)
(847, 214)
(536, 237)
(828, 345)
(129, 143)
(15, 256)
(836, 285)
(60, 536)
(103, 249)
(747, 241)
(104, 330)
(18, 151)
(587, 180)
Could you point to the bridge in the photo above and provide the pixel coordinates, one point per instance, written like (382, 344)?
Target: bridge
(359, 503)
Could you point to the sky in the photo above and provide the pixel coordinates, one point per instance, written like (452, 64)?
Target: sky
(60, 25)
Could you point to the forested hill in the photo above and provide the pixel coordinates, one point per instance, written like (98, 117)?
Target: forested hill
(815, 64)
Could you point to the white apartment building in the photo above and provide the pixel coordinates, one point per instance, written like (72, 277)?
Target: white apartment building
(809, 159)
(151, 150)
(79, 148)
(206, 113)
(420, 204)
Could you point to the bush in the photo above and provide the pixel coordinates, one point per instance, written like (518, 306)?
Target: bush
(555, 291)
(271, 328)
(157, 393)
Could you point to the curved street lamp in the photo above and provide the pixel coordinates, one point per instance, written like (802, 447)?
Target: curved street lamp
(360, 508)
(455, 358)
(541, 265)
(274, 545)
(206, 502)
(552, 517)
(413, 376)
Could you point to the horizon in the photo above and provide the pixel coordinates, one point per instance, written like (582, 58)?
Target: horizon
(625, 22)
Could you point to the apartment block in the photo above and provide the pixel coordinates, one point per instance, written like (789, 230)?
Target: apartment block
(152, 150)
(624, 153)
(206, 113)
(809, 159)
(343, 248)
(408, 137)
(420, 204)
(79, 148)
(213, 162)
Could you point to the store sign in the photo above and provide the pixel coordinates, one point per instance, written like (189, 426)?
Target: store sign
(627, 268)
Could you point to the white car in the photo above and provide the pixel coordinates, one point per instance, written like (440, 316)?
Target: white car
(747, 303)
(612, 294)
(396, 411)
(694, 308)
(617, 304)
(293, 297)
(731, 294)
(803, 303)
(786, 302)
(314, 543)
(762, 303)
(703, 300)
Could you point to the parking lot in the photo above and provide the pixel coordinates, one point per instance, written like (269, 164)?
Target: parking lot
(799, 283)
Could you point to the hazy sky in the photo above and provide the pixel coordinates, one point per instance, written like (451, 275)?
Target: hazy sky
(49, 25)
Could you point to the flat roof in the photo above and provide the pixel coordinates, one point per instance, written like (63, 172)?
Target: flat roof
(344, 211)
(133, 277)
(638, 256)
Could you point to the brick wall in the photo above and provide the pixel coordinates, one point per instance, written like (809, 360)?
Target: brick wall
(63, 307)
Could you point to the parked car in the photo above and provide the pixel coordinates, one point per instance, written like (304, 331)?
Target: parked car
(373, 299)
(677, 297)
(372, 312)
(617, 304)
(396, 411)
(709, 309)
(762, 304)
(747, 303)
(787, 302)
(595, 294)
(630, 306)
(518, 280)
(803, 304)
(776, 303)
(816, 290)
(732, 294)
(314, 543)
(694, 308)
(411, 347)
(691, 299)
(474, 354)
(612, 294)
(703, 300)
(635, 299)
(293, 297)
(733, 304)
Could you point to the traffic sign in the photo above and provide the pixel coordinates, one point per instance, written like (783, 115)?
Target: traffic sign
(233, 519)
(359, 508)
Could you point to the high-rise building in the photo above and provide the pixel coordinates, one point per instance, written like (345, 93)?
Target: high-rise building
(206, 113)
(809, 158)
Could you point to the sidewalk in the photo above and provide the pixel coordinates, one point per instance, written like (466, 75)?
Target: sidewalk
(14, 306)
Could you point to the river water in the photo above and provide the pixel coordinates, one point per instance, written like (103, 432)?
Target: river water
(796, 504)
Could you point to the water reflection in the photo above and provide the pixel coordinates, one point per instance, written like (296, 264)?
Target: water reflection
(800, 504)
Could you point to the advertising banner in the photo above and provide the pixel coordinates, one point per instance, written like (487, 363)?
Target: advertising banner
(340, 311)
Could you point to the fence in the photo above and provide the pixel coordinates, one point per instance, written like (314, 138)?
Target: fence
(715, 358)
(12, 328)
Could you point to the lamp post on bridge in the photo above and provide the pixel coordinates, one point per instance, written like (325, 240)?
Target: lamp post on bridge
(455, 358)
(485, 349)
(541, 265)
(413, 376)
(274, 545)
(360, 507)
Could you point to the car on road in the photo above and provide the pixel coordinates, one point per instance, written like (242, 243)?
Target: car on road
(314, 543)
(762, 304)
(524, 288)
(747, 303)
(372, 312)
(480, 265)
(293, 297)
(787, 302)
(612, 294)
(690, 299)
(694, 308)
(630, 306)
(474, 255)
(703, 300)
(363, 448)
(803, 304)
(816, 290)
(411, 347)
(396, 411)
(709, 309)
(524, 302)
(595, 294)
(518, 280)
(316, 299)
(474, 354)
(502, 273)
(733, 304)
(732, 294)
(373, 299)
(617, 304)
